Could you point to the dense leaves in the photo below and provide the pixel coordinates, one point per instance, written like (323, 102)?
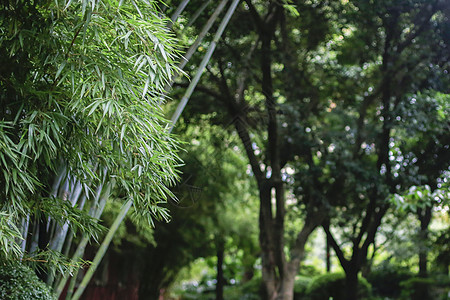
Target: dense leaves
(81, 84)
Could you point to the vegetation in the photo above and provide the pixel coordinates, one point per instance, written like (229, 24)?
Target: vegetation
(333, 285)
(17, 282)
(315, 138)
(80, 123)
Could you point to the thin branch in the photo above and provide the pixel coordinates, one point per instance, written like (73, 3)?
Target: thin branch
(344, 262)
(311, 223)
(366, 221)
(374, 228)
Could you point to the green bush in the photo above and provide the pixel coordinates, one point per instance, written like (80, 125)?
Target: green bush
(385, 280)
(301, 286)
(18, 282)
(251, 289)
(333, 285)
(418, 288)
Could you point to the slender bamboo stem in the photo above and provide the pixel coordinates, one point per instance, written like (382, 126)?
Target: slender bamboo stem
(95, 211)
(197, 42)
(34, 237)
(198, 13)
(72, 285)
(203, 64)
(24, 232)
(125, 208)
(177, 12)
(101, 252)
(60, 235)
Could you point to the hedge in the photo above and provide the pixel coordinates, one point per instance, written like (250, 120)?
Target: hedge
(18, 282)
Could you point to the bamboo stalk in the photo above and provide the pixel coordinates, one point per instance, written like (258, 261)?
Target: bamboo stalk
(34, 244)
(199, 39)
(125, 208)
(203, 64)
(61, 231)
(177, 13)
(101, 252)
(24, 232)
(95, 211)
(71, 285)
(198, 13)
(60, 234)
(68, 242)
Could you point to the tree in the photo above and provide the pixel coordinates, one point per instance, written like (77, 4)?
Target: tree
(213, 194)
(322, 100)
(381, 163)
(254, 110)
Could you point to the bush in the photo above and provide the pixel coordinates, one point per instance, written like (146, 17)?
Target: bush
(18, 282)
(418, 288)
(385, 280)
(250, 290)
(333, 285)
(301, 285)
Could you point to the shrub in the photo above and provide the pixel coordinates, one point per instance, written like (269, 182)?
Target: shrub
(249, 290)
(419, 288)
(252, 288)
(385, 280)
(301, 285)
(333, 285)
(18, 282)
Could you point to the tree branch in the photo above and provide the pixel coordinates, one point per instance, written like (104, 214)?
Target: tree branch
(344, 262)
(422, 21)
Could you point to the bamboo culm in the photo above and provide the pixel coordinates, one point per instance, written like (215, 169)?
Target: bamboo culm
(203, 64)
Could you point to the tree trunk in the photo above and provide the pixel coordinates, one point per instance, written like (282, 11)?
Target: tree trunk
(351, 281)
(327, 250)
(265, 235)
(425, 219)
(220, 279)
(286, 288)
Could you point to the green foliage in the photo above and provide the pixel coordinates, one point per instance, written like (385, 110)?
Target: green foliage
(81, 85)
(442, 246)
(18, 282)
(415, 198)
(385, 280)
(301, 287)
(9, 233)
(62, 211)
(418, 288)
(250, 290)
(333, 285)
(215, 205)
(54, 261)
(419, 197)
